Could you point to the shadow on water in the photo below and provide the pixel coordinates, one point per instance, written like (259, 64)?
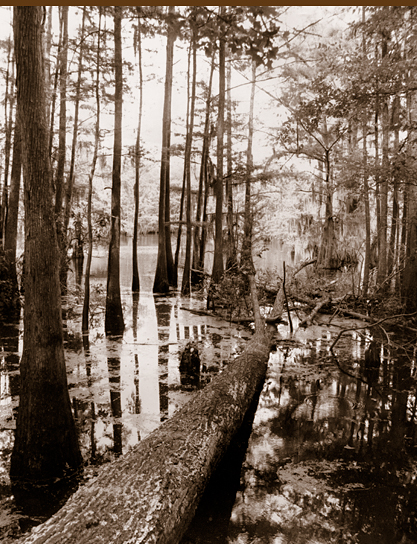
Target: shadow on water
(331, 457)
(211, 521)
(35, 505)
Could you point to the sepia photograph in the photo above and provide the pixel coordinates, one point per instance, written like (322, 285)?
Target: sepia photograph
(208, 274)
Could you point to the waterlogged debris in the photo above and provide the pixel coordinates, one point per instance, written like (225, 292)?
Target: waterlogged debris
(302, 478)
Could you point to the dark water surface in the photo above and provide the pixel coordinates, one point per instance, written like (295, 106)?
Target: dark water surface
(323, 458)
(327, 460)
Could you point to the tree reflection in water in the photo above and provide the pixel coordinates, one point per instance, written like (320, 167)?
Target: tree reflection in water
(135, 310)
(115, 402)
(163, 307)
(330, 458)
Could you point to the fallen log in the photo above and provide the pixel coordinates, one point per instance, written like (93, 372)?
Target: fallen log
(150, 494)
(237, 320)
(356, 315)
(305, 300)
(309, 319)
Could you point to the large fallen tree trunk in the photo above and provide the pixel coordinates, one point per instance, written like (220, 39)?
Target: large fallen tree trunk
(150, 494)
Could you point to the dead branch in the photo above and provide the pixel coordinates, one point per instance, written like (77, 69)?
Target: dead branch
(309, 319)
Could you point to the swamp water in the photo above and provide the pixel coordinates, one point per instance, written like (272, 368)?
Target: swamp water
(323, 458)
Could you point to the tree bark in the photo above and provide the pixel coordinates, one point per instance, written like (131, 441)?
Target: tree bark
(326, 257)
(186, 278)
(391, 254)
(247, 265)
(8, 116)
(59, 178)
(70, 184)
(367, 260)
(409, 234)
(135, 272)
(383, 187)
(114, 324)
(150, 494)
(184, 174)
(86, 303)
(172, 278)
(46, 446)
(164, 274)
(218, 265)
(231, 259)
(377, 167)
(47, 48)
(201, 214)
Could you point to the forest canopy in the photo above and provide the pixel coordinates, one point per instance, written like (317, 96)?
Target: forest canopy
(332, 144)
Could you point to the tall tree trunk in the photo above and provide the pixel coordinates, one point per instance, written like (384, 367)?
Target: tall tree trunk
(247, 265)
(395, 205)
(328, 241)
(164, 274)
(218, 241)
(403, 241)
(377, 173)
(409, 283)
(46, 446)
(186, 278)
(180, 220)
(86, 304)
(383, 186)
(198, 256)
(47, 58)
(231, 259)
(70, 184)
(203, 238)
(52, 105)
(367, 261)
(63, 60)
(114, 324)
(8, 116)
(172, 278)
(59, 179)
(135, 272)
(184, 175)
